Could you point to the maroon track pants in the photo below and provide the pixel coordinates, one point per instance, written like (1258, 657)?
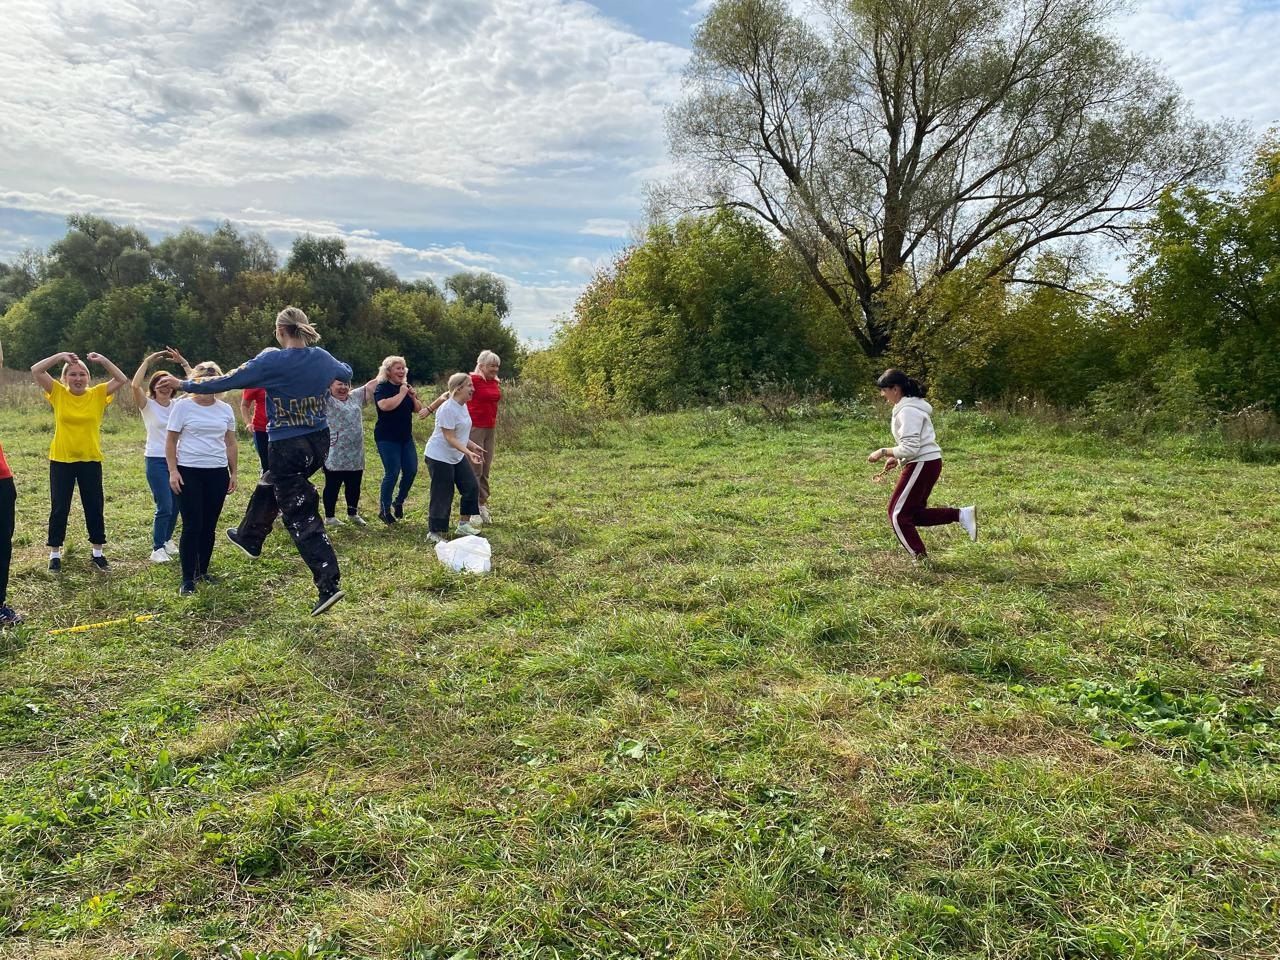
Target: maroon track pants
(909, 506)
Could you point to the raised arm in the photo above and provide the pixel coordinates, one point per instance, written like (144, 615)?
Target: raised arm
(364, 392)
(433, 406)
(177, 357)
(140, 378)
(247, 374)
(40, 369)
(118, 379)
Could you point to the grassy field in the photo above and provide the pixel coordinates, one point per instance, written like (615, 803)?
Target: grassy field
(703, 707)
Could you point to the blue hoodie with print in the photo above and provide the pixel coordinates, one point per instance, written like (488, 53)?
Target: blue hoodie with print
(297, 381)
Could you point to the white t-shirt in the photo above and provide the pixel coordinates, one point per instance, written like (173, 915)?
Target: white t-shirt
(201, 432)
(454, 416)
(156, 418)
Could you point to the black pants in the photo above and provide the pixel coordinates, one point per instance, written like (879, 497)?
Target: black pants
(8, 504)
(444, 477)
(204, 491)
(333, 481)
(63, 478)
(260, 444)
(286, 489)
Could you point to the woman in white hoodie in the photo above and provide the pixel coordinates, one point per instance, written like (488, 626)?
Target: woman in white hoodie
(916, 449)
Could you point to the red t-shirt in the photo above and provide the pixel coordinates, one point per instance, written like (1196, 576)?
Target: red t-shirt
(483, 405)
(258, 397)
(5, 472)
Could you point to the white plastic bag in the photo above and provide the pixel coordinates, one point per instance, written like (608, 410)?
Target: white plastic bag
(471, 554)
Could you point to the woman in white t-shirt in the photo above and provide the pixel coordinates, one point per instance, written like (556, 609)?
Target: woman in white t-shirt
(201, 455)
(450, 457)
(154, 401)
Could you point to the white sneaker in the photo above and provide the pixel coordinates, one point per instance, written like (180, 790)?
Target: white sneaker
(484, 514)
(969, 520)
(467, 530)
(159, 555)
(358, 520)
(332, 522)
(171, 549)
(434, 538)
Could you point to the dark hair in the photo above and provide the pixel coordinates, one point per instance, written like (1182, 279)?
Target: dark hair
(893, 377)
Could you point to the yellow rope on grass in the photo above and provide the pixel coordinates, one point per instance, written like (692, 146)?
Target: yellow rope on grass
(143, 618)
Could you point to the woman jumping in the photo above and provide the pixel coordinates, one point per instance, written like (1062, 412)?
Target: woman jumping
(296, 379)
(916, 448)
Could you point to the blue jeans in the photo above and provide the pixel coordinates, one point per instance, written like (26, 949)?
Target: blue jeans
(399, 459)
(166, 518)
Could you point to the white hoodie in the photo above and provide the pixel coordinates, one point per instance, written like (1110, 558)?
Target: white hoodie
(913, 431)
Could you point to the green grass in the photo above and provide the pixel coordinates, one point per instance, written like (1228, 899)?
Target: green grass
(703, 707)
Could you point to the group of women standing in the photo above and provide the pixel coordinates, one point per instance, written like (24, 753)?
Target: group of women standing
(311, 419)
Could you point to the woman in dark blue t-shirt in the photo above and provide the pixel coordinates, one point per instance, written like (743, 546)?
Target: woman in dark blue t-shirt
(397, 402)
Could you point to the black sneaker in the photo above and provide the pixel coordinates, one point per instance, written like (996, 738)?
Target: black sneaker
(187, 588)
(399, 508)
(100, 563)
(386, 517)
(207, 577)
(9, 617)
(233, 534)
(327, 600)
(55, 564)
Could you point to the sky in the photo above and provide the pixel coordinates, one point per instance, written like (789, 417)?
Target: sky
(513, 136)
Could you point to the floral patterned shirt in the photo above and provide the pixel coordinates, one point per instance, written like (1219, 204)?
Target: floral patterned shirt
(346, 431)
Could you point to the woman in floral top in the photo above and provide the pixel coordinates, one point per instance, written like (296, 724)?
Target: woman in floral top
(345, 464)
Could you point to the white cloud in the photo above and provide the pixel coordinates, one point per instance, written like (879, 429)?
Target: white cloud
(1220, 52)
(432, 135)
(361, 118)
(605, 227)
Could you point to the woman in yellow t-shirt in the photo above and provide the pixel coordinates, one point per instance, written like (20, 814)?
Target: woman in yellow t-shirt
(75, 455)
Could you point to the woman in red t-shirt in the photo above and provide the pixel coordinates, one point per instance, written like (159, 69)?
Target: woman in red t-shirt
(483, 407)
(8, 501)
(253, 407)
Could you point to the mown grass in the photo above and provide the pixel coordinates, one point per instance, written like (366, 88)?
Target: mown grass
(703, 707)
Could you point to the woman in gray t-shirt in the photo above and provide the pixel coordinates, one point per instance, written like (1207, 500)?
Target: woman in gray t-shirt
(451, 458)
(344, 466)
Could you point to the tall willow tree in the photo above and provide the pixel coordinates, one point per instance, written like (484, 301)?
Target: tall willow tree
(895, 142)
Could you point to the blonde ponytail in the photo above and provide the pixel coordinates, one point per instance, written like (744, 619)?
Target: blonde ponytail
(294, 322)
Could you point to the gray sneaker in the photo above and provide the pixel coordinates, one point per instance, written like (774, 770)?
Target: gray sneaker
(467, 530)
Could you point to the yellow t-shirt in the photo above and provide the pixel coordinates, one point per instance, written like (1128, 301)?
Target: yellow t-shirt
(77, 422)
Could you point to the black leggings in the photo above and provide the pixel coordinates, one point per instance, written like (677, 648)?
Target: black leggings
(8, 502)
(335, 480)
(444, 477)
(63, 479)
(204, 491)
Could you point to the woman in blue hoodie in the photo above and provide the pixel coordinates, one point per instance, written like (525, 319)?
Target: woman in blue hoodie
(296, 378)
(916, 449)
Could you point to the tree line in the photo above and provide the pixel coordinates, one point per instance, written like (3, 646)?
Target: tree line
(108, 287)
(714, 305)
